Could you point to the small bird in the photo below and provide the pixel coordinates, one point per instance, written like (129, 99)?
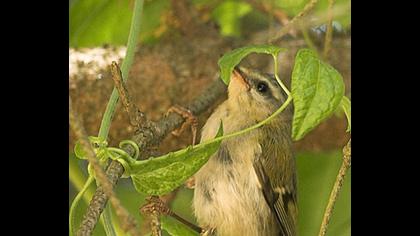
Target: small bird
(248, 187)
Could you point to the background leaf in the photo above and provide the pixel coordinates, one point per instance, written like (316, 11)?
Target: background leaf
(316, 176)
(229, 60)
(293, 7)
(158, 176)
(317, 90)
(99, 22)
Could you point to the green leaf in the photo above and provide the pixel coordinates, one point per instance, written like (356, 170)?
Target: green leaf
(176, 228)
(231, 59)
(161, 175)
(346, 106)
(317, 90)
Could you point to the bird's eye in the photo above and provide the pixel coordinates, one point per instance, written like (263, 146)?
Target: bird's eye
(262, 87)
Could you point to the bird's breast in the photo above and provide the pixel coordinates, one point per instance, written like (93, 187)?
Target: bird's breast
(227, 195)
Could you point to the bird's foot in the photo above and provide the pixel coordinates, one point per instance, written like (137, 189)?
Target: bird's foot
(190, 119)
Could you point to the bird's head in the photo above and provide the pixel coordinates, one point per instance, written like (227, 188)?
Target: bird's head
(255, 94)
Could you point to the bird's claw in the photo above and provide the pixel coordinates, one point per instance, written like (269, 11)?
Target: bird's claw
(190, 119)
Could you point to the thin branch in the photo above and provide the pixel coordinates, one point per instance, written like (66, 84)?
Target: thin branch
(135, 115)
(167, 199)
(336, 189)
(155, 222)
(133, 37)
(328, 35)
(308, 7)
(127, 221)
(150, 135)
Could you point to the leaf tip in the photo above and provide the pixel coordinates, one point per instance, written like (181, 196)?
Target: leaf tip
(220, 130)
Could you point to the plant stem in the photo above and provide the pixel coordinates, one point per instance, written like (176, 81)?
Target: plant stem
(80, 182)
(155, 224)
(288, 100)
(328, 35)
(77, 178)
(127, 62)
(307, 38)
(336, 189)
(276, 72)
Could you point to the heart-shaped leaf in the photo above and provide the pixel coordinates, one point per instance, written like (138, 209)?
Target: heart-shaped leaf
(161, 175)
(229, 60)
(317, 90)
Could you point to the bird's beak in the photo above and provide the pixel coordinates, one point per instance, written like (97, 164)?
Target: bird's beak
(238, 80)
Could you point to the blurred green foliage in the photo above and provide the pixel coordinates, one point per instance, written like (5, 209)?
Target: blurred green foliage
(316, 176)
(293, 7)
(228, 15)
(98, 22)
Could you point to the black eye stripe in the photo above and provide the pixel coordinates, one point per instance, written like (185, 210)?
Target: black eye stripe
(273, 80)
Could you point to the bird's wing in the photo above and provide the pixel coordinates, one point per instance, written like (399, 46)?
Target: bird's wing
(278, 198)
